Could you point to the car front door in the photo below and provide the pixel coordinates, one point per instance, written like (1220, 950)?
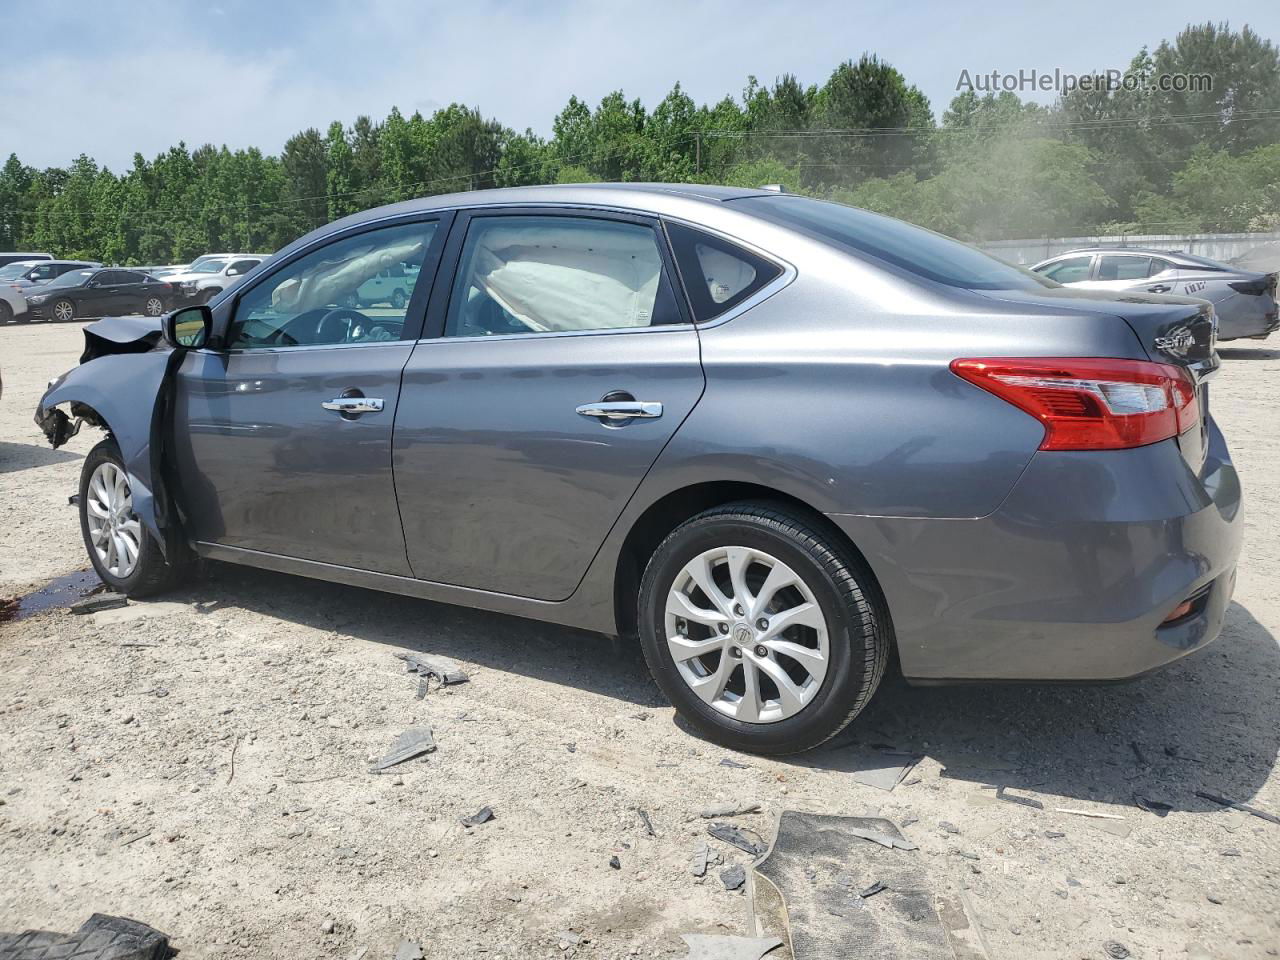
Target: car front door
(100, 296)
(283, 432)
(1070, 271)
(559, 364)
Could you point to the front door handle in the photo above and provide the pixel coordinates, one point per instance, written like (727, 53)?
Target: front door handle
(353, 405)
(621, 409)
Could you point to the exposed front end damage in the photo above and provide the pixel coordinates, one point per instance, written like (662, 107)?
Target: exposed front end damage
(121, 386)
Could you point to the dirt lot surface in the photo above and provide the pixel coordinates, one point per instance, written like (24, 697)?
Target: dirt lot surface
(200, 763)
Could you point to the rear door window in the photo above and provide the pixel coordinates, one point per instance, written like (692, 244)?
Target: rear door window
(718, 275)
(1127, 267)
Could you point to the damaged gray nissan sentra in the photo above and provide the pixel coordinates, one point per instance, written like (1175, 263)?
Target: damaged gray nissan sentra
(774, 438)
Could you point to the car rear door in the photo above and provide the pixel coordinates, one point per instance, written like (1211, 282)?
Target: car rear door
(283, 429)
(558, 364)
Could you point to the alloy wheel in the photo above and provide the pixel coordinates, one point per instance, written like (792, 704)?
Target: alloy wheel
(154, 307)
(747, 634)
(114, 529)
(64, 310)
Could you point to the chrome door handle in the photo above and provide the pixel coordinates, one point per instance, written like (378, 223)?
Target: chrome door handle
(621, 409)
(353, 405)
(1159, 288)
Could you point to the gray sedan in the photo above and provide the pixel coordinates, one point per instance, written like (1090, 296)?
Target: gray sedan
(1245, 300)
(776, 441)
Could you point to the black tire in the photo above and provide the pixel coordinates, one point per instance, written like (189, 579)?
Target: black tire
(151, 574)
(53, 309)
(208, 295)
(6, 312)
(860, 633)
(398, 299)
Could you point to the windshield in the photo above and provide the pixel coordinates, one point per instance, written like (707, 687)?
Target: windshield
(209, 266)
(13, 271)
(914, 249)
(72, 279)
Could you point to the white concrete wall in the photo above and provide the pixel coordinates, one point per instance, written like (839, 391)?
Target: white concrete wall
(1216, 246)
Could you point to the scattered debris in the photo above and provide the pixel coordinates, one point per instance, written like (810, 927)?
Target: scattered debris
(483, 815)
(886, 773)
(700, 859)
(135, 837)
(567, 938)
(1269, 817)
(731, 834)
(872, 890)
(444, 670)
(1088, 813)
(408, 950)
(1024, 801)
(730, 810)
(101, 935)
(884, 839)
(713, 947)
(99, 601)
(1115, 950)
(733, 877)
(1231, 852)
(950, 828)
(615, 863)
(1054, 834)
(968, 855)
(1158, 807)
(73, 500)
(726, 762)
(648, 824)
(409, 745)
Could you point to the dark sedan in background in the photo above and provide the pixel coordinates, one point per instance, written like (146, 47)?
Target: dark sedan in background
(109, 292)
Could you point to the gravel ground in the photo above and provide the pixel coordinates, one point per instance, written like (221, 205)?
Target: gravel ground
(200, 762)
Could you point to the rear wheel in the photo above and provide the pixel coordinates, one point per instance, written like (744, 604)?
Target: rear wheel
(398, 299)
(153, 307)
(63, 311)
(6, 312)
(123, 553)
(765, 632)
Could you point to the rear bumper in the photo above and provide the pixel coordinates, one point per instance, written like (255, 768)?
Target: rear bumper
(1072, 578)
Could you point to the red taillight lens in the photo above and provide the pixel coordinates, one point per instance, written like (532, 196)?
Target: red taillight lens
(1091, 403)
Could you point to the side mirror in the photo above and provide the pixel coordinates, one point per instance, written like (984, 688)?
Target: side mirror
(188, 328)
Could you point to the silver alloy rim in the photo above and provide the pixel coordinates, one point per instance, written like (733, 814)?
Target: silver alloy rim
(746, 634)
(63, 310)
(114, 529)
(154, 307)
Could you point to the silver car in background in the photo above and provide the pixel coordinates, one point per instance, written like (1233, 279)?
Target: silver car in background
(777, 441)
(1244, 300)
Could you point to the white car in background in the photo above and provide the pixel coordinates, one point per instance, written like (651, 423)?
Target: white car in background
(209, 276)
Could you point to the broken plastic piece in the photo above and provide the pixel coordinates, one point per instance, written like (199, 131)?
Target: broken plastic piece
(872, 890)
(407, 746)
(731, 834)
(483, 815)
(704, 946)
(1025, 801)
(884, 839)
(648, 824)
(730, 810)
(733, 877)
(1269, 817)
(408, 950)
(445, 671)
(615, 863)
(99, 601)
(726, 762)
(1115, 950)
(1158, 807)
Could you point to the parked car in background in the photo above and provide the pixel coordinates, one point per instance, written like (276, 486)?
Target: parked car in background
(777, 440)
(7, 258)
(109, 292)
(41, 272)
(209, 278)
(166, 270)
(225, 256)
(1244, 300)
(13, 305)
(392, 286)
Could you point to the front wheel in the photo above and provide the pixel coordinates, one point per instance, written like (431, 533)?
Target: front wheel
(766, 632)
(153, 307)
(123, 553)
(63, 311)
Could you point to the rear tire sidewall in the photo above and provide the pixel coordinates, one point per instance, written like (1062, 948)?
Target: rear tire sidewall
(828, 712)
(151, 573)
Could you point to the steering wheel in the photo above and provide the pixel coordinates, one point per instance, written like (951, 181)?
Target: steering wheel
(325, 325)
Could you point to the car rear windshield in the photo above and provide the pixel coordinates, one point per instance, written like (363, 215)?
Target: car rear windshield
(914, 249)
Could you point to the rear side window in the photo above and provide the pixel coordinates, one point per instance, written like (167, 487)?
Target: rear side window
(718, 275)
(1124, 268)
(553, 274)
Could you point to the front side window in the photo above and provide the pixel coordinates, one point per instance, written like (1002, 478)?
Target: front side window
(1070, 270)
(43, 272)
(546, 274)
(1124, 268)
(241, 267)
(314, 300)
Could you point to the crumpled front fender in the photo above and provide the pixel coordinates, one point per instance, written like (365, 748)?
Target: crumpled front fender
(120, 385)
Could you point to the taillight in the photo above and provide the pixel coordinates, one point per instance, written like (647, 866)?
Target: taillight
(1091, 403)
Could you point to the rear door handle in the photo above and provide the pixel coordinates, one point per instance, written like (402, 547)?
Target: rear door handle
(353, 404)
(621, 409)
(1159, 288)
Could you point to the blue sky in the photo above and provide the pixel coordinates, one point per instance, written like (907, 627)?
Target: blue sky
(113, 77)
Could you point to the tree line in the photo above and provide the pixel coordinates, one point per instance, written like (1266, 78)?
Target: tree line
(1137, 159)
